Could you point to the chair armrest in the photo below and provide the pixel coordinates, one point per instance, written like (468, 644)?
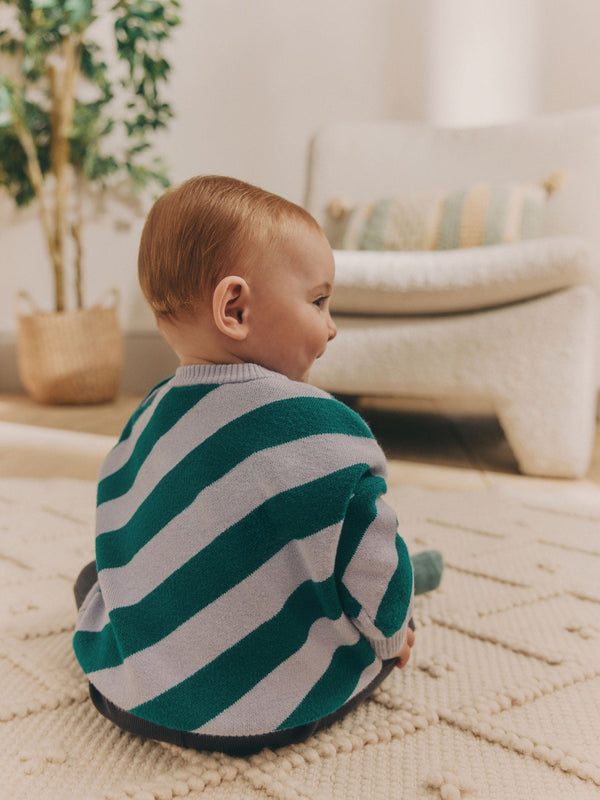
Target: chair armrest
(446, 281)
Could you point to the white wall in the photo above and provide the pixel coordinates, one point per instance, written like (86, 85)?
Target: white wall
(252, 81)
(482, 61)
(570, 54)
(250, 84)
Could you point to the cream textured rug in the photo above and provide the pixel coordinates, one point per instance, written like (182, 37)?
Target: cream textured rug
(501, 698)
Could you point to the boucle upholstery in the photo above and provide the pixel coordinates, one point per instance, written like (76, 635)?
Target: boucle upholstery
(501, 697)
(534, 362)
(459, 280)
(504, 322)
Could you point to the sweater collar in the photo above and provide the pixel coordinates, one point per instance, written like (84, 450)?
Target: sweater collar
(221, 373)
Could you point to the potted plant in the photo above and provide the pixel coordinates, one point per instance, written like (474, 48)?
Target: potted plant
(75, 119)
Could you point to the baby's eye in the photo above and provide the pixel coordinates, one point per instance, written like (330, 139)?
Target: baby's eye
(320, 300)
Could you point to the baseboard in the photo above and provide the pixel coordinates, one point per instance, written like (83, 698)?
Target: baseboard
(148, 360)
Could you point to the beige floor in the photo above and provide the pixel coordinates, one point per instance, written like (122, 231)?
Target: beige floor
(435, 449)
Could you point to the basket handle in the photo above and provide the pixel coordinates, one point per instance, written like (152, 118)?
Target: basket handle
(25, 304)
(110, 298)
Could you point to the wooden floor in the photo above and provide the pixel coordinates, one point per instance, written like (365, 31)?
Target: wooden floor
(435, 449)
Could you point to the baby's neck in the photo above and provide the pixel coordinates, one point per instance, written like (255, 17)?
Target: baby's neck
(196, 341)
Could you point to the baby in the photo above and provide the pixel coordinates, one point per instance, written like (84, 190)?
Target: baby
(250, 586)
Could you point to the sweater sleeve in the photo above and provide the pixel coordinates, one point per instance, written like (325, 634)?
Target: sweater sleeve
(374, 570)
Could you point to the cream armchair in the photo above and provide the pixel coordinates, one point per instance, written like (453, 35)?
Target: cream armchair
(515, 324)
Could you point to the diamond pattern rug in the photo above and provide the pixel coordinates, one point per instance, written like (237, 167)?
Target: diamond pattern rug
(501, 698)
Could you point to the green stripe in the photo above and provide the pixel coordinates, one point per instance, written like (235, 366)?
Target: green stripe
(97, 649)
(372, 235)
(267, 426)
(147, 401)
(531, 222)
(335, 686)
(496, 214)
(228, 560)
(176, 403)
(449, 236)
(396, 600)
(361, 512)
(211, 690)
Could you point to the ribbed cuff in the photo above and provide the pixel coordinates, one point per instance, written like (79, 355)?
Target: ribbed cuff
(219, 373)
(390, 648)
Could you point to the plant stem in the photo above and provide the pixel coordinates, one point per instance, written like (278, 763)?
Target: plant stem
(61, 121)
(37, 180)
(76, 226)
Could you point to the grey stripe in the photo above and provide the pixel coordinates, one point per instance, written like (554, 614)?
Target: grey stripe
(216, 628)
(93, 615)
(221, 406)
(373, 564)
(274, 698)
(385, 648)
(368, 575)
(272, 471)
(121, 452)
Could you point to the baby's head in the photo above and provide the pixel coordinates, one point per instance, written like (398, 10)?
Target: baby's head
(237, 274)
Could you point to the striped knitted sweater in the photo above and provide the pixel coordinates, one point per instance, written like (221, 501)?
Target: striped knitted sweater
(250, 577)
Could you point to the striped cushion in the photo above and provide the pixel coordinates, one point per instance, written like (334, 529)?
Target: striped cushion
(481, 214)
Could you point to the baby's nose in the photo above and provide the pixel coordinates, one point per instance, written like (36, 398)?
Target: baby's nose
(332, 330)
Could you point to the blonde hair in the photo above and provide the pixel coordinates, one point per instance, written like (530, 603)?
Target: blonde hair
(197, 233)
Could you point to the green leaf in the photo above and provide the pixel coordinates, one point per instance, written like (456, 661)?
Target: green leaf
(80, 10)
(141, 29)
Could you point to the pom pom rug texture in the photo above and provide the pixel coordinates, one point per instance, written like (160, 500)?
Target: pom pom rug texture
(501, 698)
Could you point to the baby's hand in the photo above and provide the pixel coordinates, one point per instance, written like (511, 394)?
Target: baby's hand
(404, 654)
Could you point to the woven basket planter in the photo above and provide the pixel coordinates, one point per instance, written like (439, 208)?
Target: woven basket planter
(73, 357)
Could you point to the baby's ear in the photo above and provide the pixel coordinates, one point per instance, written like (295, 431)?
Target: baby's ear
(230, 307)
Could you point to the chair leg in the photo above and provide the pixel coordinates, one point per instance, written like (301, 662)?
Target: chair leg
(548, 407)
(550, 434)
